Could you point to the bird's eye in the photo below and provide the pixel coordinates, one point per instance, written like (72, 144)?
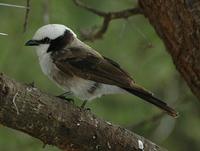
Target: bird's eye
(46, 40)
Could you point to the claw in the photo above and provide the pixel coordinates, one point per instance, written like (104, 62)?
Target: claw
(83, 104)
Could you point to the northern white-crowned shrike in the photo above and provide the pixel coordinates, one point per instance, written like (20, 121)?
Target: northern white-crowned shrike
(79, 69)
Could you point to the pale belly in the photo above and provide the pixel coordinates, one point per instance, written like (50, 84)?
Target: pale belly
(79, 87)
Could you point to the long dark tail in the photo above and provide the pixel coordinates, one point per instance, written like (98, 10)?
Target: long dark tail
(147, 96)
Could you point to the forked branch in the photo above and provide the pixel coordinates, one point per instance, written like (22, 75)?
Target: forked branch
(107, 18)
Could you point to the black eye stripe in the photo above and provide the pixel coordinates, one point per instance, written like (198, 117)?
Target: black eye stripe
(46, 40)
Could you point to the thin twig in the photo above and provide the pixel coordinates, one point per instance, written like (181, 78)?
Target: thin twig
(3, 34)
(107, 18)
(148, 41)
(26, 15)
(14, 98)
(12, 5)
(80, 4)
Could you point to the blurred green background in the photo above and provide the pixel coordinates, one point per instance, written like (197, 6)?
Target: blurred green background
(133, 43)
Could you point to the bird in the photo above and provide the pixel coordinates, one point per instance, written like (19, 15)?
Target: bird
(79, 69)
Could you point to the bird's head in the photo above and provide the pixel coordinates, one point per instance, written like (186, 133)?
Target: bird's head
(52, 37)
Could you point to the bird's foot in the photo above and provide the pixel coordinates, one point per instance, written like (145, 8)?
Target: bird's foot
(63, 97)
(83, 105)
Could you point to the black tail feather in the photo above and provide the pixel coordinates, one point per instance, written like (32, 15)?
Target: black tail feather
(147, 96)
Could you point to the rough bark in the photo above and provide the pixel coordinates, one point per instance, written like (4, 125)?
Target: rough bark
(178, 23)
(60, 123)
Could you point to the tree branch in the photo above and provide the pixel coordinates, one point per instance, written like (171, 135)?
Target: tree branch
(178, 24)
(26, 15)
(107, 18)
(60, 123)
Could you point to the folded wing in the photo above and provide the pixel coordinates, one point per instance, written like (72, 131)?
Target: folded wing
(87, 65)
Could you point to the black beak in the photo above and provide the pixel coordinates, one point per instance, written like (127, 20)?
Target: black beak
(32, 43)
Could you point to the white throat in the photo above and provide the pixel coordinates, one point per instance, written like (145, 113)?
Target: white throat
(44, 58)
(42, 50)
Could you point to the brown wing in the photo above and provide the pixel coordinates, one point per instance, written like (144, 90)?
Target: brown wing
(90, 66)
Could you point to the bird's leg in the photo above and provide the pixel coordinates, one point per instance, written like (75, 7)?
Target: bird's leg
(83, 104)
(63, 96)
